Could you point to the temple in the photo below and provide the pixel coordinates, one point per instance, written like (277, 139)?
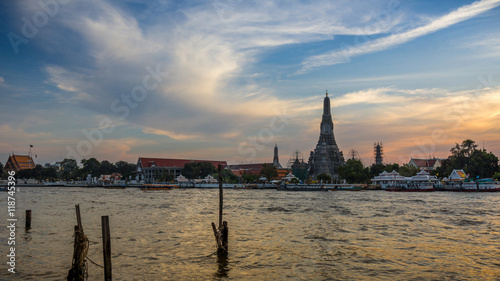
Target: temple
(276, 161)
(326, 157)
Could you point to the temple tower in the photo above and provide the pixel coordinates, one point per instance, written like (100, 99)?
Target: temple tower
(378, 153)
(326, 157)
(276, 161)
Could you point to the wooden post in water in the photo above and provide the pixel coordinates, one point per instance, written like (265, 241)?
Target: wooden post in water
(78, 270)
(106, 247)
(221, 195)
(28, 219)
(221, 234)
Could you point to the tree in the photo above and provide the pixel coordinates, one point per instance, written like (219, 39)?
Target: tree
(376, 170)
(294, 181)
(196, 170)
(269, 171)
(91, 166)
(166, 176)
(408, 170)
(69, 169)
(227, 176)
(482, 164)
(1, 167)
(475, 162)
(125, 169)
(107, 168)
(324, 177)
(38, 173)
(391, 167)
(496, 176)
(354, 172)
(249, 178)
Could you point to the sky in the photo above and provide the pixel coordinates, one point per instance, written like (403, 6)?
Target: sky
(229, 79)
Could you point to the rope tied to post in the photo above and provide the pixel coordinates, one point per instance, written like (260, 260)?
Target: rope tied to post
(79, 269)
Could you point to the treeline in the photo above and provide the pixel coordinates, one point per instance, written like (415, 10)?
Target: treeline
(70, 170)
(477, 163)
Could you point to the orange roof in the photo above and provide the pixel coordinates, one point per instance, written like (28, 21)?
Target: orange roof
(19, 162)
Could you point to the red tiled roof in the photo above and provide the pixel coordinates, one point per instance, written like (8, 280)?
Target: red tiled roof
(174, 163)
(19, 162)
(256, 166)
(425, 162)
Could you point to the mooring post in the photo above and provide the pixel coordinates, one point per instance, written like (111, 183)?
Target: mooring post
(221, 196)
(81, 244)
(78, 217)
(28, 219)
(106, 247)
(221, 233)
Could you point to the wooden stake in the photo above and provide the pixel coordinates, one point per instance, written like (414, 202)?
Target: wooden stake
(78, 218)
(28, 219)
(221, 234)
(221, 196)
(106, 247)
(81, 246)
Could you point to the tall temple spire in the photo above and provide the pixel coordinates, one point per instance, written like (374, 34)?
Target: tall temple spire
(327, 157)
(276, 161)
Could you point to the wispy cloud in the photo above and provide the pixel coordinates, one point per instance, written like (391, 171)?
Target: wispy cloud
(344, 55)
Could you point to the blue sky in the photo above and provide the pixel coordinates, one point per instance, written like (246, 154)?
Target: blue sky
(227, 79)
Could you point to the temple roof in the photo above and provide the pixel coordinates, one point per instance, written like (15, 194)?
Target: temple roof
(19, 162)
(146, 162)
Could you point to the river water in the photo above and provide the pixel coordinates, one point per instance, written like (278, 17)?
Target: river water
(273, 235)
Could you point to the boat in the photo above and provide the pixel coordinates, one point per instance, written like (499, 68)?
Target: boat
(347, 187)
(115, 186)
(156, 186)
(482, 185)
(301, 187)
(412, 187)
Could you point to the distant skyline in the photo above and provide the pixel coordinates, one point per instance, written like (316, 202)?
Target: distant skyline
(228, 79)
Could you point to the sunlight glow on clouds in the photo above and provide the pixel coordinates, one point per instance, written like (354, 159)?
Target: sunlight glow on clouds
(224, 76)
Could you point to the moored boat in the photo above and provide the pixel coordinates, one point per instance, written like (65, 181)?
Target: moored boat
(301, 187)
(148, 187)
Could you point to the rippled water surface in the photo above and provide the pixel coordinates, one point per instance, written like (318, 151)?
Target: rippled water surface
(273, 235)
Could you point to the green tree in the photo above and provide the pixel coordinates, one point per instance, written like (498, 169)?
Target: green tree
(91, 166)
(496, 176)
(227, 176)
(125, 169)
(482, 164)
(249, 178)
(294, 181)
(166, 176)
(475, 162)
(1, 167)
(49, 173)
(107, 168)
(354, 172)
(324, 177)
(196, 170)
(69, 168)
(376, 170)
(269, 171)
(408, 170)
(391, 167)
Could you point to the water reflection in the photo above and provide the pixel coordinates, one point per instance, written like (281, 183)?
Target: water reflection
(222, 267)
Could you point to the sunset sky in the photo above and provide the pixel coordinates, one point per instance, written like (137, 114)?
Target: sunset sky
(227, 79)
